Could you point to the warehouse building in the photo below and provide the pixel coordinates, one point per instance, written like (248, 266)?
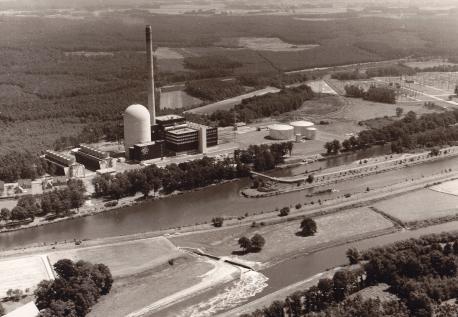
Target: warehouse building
(94, 159)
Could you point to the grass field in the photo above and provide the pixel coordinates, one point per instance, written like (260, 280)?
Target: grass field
(22, 273)
(124, 258)
(132, 293)
(420, 205)
(450, 187)
(281, 239)
(178, 99)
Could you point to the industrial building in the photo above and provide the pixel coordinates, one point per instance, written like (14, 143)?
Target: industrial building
(148, 137)
(64, 165)
(94, 159)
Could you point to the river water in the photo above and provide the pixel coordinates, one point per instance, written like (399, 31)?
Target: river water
(200, 206)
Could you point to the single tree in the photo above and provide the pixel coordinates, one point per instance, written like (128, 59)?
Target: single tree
(284, 212)
(257, 242)
(353, 255)
(308, 227)
(218, 221)
(245, 243)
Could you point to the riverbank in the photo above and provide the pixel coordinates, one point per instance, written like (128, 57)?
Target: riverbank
(367, 167)
(99, 205)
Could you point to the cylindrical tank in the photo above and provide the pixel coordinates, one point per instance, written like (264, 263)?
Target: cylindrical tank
(281, 132)
(298, 138)
(300, 127)
(311, 133)
(137, 126)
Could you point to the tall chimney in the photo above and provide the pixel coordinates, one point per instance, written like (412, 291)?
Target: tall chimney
(150, 66)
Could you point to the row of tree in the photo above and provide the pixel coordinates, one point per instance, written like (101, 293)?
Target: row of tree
(286, 100)
(76, 289)
(182, 176)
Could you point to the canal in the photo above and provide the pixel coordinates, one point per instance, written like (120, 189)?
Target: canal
(200, 206)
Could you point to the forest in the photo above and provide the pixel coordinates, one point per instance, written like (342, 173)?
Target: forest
(420, 273)
(214, 90)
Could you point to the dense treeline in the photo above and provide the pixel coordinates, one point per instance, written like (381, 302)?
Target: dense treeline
(184, 176)
(349, 75)
(275, 79)
(422, 274)
(211, 62)
(17, 165)
(374, 93)
(264, 157)
(57, 203)
(428, 130)
(390, 71)
(76, 289)
(439, 68)
(286, 100)
(214, 90)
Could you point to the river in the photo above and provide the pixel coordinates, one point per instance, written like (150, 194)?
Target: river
(286, 273)
(200, 206)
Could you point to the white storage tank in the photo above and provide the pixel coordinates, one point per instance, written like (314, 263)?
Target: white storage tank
(311, 133)
(137, 126)
(300, 127)
(281, 132)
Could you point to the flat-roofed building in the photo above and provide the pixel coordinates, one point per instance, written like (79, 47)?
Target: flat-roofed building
(147, 151)
(94, 159)
(61, 164)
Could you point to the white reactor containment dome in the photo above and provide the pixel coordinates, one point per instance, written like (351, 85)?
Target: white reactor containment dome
(137, 126)
(281, 132)
(300, 127)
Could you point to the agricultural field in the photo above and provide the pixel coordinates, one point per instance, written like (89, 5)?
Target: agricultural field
(273, 44)
(124, 258)
(422, 205)
(22, 273)
(450, 188)
(282, 239)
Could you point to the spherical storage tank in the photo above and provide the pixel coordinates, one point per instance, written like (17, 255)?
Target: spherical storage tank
(281, 132)
(300, 127)
(137, 126)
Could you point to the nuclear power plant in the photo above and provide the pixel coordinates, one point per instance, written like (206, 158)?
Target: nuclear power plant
(148, 137)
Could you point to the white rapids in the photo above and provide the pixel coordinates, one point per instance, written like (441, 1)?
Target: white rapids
(249, 284)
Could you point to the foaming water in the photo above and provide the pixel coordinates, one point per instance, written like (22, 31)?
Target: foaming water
(250, 284)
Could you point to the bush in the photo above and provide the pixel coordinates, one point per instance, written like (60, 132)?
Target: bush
(218, 222)
(308, 227)
(284, 212)
(298, 206)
